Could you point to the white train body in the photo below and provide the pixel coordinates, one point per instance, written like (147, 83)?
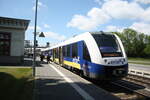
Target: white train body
(98, 55)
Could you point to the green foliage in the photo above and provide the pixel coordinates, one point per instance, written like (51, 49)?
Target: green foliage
(136, 44)
(147, 50)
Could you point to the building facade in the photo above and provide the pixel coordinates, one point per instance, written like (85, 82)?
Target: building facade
(12, 35)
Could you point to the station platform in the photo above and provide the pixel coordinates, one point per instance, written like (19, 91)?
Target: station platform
(57, 83)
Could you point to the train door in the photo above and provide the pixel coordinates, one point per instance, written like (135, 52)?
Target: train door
(86, 59)
(53, 54)
(60, 56)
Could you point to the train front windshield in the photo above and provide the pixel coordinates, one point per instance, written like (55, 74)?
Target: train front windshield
(108, 45)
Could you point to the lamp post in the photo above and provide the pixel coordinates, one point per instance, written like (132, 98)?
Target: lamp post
(35, 33)
(34, 54)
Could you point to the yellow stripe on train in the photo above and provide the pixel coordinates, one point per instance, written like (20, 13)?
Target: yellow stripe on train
(72, 64)
(69, 63)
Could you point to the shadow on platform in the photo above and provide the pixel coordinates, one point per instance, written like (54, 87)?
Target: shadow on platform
(47, 88)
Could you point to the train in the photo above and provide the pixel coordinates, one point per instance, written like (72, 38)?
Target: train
(96, 55)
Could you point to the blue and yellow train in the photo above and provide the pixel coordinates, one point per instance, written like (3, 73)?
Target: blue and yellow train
(97, 55)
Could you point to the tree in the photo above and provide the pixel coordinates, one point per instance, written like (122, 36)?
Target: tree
(147, 50)
(130, 40)
(136, 44)
(140, 45)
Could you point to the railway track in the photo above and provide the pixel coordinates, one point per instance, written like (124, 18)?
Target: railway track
(129, 88)
(139, 90)
(123, 90)
(142, 84)
(138, 80)
(126, 89)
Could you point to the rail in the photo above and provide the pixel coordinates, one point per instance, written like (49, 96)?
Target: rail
(131, 87)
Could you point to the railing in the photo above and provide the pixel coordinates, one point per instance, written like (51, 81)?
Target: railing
(141, 73)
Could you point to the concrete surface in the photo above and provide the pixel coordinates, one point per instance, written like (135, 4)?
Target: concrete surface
(56, 83)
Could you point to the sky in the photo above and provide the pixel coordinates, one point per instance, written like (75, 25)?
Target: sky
(62, 19)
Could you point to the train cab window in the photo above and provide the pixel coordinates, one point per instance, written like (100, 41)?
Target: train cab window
(108, 45)
(75, 50)
(86, 55)
(68, 50)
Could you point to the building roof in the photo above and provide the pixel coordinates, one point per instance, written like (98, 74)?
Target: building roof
(14, 23)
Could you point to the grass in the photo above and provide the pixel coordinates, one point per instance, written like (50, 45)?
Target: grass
(143, 61)
(139, 59)
(16, 84)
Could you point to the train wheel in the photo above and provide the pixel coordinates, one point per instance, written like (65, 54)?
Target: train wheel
(81, 73)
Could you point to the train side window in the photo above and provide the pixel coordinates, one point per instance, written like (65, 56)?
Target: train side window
(68, 50)
(86, 55)
(56, 52)
(65, 51)
(74, 50)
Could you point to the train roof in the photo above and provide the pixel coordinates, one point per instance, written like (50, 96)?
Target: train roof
(77, 38)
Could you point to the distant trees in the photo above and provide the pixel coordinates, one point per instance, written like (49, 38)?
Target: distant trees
(136, 44)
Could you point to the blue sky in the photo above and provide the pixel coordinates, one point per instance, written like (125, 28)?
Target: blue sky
(61, 19)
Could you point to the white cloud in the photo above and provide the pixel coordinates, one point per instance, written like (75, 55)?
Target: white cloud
(32, 28)
(145, 16)
(111, 9)
(94, 18)
(114, 29)
(141, 27)
(117, 9)
(122, 9)
(143, 1)
(40, 4)
(54, 35)
(46, 26)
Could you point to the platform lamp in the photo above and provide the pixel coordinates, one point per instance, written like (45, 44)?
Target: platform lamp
(41, 34)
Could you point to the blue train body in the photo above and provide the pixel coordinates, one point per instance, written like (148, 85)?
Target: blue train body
(83, 54)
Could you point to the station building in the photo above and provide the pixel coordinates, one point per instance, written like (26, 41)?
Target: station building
(12, 35)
